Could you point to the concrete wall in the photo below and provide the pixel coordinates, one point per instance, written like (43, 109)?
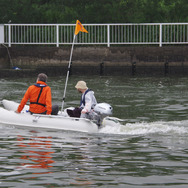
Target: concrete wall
(120, 60)
(4, 61)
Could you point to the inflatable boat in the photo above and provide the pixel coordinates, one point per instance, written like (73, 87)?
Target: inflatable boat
(62, 121)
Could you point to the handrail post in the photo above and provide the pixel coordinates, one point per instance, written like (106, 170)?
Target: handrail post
(57, 35)
(9, 35)
(160, 35)
(2, 36)
(108, 35)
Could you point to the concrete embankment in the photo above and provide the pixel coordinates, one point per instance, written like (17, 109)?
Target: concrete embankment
(98, 60)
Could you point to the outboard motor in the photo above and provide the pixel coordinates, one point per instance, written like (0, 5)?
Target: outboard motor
(100, 111)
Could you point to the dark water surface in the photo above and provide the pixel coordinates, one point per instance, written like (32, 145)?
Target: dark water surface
(149, 149)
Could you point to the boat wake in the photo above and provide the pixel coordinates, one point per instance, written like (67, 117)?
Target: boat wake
(142, 128)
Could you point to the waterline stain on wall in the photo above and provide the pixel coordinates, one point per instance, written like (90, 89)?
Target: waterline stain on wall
(122, 60)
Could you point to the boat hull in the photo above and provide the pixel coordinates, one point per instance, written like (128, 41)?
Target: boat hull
(59, 122)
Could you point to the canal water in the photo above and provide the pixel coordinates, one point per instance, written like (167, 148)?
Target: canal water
(148, 149)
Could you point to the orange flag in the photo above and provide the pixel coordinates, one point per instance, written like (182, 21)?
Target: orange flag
(79, 27)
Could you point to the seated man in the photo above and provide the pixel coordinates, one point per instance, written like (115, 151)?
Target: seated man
(39, 96)
(87, 103)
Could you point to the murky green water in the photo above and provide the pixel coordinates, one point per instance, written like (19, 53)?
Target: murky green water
(148, 150)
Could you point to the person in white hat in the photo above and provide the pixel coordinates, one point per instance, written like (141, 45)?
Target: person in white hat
(87, 102)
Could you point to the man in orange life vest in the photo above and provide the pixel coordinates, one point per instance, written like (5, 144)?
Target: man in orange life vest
(39, 96)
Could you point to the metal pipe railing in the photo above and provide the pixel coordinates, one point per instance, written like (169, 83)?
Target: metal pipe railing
(98, 34)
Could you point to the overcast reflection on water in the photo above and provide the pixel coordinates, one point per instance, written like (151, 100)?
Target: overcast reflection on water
(149, 149)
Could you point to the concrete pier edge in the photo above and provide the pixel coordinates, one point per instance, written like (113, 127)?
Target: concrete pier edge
(96, 60)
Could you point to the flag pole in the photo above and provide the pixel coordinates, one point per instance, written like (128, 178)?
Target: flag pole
(69, 66)
(79, 27)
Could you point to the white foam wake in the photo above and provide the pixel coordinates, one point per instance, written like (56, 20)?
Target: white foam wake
(142, 128)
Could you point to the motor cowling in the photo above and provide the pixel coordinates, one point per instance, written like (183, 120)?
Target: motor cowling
(100, 111)
(103, 109)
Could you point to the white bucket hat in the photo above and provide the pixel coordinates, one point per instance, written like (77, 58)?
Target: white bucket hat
(81, 85)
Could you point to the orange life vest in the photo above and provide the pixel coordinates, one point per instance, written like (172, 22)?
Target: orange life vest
(40, 98)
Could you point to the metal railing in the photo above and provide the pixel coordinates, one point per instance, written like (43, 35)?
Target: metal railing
(98, 34)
